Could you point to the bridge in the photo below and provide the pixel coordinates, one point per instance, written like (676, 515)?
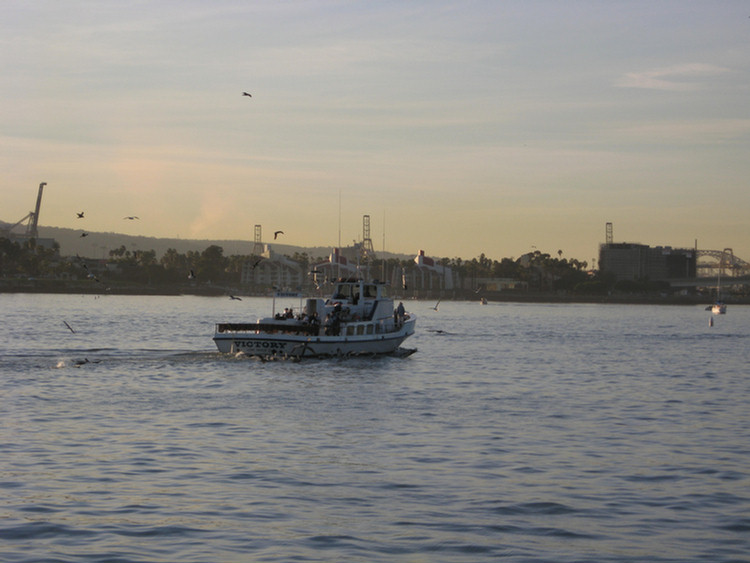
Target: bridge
(712, 263)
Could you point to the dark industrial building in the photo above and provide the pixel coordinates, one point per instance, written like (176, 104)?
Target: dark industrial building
(640, 262)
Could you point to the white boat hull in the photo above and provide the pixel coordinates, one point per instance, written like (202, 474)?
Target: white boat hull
(358, 319)
(263, 343)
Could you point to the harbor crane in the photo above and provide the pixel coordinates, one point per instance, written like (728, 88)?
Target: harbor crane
(32, 217)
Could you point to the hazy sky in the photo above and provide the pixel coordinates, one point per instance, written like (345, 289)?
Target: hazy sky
(459, 127)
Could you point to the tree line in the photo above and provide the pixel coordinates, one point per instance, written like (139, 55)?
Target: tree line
(538, 270)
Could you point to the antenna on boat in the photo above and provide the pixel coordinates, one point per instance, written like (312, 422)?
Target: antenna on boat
(383, 277)
(338, 263)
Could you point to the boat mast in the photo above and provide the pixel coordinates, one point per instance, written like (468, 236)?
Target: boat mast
(383, 257)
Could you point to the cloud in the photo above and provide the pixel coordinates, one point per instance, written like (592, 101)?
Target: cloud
(694, 132)
(682, 77)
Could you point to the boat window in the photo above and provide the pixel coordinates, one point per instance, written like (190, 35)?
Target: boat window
(342, 292)
(370, 329)
(371, 291)
(360, 329)
(350, 331)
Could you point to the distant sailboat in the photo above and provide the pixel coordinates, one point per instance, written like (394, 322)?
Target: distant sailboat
(719, 307)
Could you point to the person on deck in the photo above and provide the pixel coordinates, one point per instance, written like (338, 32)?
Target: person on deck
(399, 314)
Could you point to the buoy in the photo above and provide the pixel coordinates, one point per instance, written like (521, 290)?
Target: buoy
(710, 321)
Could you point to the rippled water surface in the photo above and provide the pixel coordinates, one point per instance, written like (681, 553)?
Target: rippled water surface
(526, 433)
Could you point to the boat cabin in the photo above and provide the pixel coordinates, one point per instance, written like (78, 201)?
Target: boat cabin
(365, 300)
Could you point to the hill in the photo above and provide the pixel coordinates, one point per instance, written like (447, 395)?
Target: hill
(98, 244)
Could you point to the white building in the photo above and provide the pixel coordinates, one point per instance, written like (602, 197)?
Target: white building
(336, 266)
(273, 270)
(431, 275)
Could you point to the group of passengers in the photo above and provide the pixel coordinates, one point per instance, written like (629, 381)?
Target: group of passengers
(332, 322)
(287, 314)
(313, 320)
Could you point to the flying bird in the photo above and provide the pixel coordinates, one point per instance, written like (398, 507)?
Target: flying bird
(258, 261)
(69, 327)
(191, 275)
(131, 217)
(234, 298)
(84, 235)
(277, 233)
(246, 94)
(80, 215)
(436, 305)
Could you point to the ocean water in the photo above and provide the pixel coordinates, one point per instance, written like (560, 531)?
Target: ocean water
(516, 432)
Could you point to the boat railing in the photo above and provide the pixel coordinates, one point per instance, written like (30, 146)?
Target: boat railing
(267, 328)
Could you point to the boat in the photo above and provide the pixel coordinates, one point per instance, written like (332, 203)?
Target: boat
(357, 319)
(719, 307)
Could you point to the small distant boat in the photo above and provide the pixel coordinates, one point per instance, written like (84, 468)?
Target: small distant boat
(719, 307)
(358, 319)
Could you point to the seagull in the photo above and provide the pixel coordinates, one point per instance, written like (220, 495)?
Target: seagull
(131, 217)
(191, 275)
(235, 298)
(277, 233)
(246, 94)
(257, 262)
(436, 305)
(84, 361)
(69, 327)
(80, 215)
(84, 235)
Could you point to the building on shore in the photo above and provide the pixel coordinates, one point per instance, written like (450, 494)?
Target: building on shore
(431, 276)
(272, 270)
(335, 266)
(495, 285)
(637, 262)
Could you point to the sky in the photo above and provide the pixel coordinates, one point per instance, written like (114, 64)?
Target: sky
(460, 128)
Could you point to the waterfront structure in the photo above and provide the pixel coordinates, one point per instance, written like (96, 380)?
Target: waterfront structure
(272, 269)
(632, 261)
(336, 266)
(491, 285)
(430, 275)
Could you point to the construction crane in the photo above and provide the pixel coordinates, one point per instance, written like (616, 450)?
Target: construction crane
(32, 217)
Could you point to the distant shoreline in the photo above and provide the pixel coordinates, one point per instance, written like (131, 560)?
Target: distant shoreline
(42, 286)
